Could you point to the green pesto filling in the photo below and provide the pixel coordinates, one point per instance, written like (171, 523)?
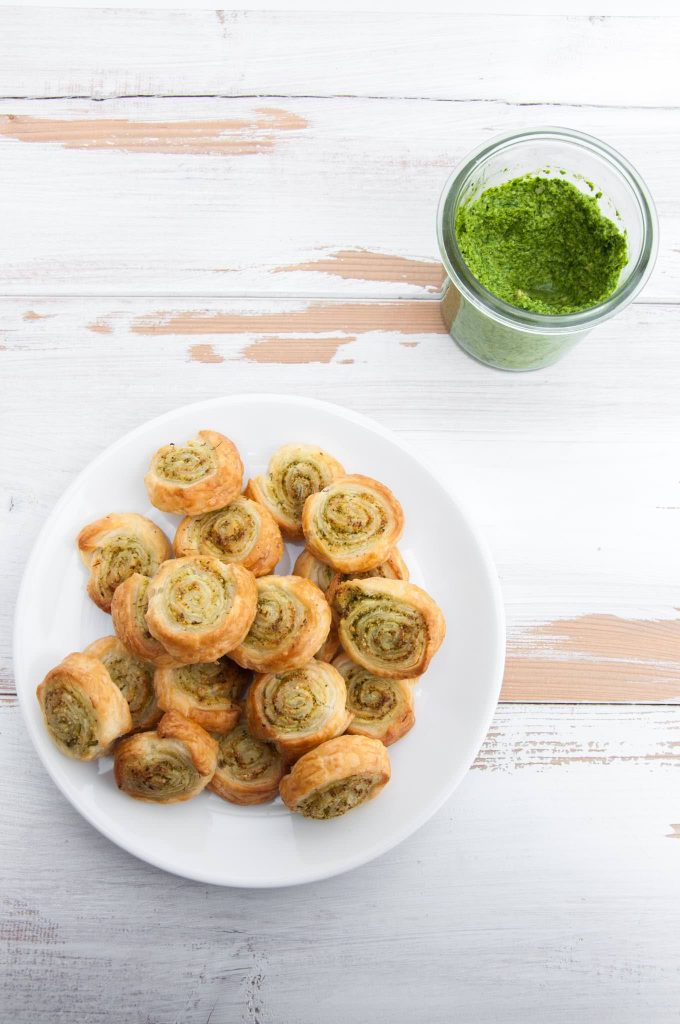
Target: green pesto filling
(134, 679)
(70, 717)
(542, 245)
(338, 797)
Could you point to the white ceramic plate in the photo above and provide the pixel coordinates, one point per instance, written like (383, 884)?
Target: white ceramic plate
(208, 839)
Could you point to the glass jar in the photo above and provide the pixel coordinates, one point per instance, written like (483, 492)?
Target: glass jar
(489, 328)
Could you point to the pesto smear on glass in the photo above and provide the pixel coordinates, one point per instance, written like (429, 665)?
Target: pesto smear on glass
(542, 245)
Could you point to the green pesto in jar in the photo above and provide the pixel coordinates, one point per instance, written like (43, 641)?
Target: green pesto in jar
(542, 245)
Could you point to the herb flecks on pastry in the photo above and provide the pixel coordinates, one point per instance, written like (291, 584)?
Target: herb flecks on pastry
(115, 547)
(132, 675)
(207, 693)
(248, 770)
(171, 764)
(243, 532)
(202, 474)
(294, 472)
(390, 627)
(382, 708)
(83, 709)
(200, 608)
(336, 777)
(292, 622)
(352, 524)
(299, 708)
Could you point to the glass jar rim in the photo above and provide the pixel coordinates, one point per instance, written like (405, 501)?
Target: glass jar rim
(513, 316)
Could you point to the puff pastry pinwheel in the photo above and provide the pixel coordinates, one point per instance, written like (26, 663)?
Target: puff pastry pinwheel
(382, 708)
(128, 612)
(393, 568)
(115, 547)
(390, 627)
(84, 710)
(203, 474)
(171, 764)
(298, 709)
(200, 608)
(132, 676)
(248, 770)
(292, 622)
(335, 777)
(352, 524)
(309, 566)
(207, 693)
(243, 532)
(294, 472)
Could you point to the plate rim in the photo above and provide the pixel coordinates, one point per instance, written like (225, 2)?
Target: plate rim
(430, 808)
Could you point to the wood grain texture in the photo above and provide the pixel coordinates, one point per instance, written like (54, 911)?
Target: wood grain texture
(551, 866)
(197, 157)
(212, 196)
(106, 53)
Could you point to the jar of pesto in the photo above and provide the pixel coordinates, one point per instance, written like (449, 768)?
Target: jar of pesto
(543, 234)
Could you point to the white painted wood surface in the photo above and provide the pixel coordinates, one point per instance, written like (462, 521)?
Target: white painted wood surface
(148, 208)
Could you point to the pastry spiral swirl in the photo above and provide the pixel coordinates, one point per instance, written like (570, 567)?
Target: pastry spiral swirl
(352, 524)
(390, 627)
(200, 608)
(382, 708)
(310, 568)
(291, 623)
(115, 547)
(193, 478)
(393, 568)
(128, 612)
(243, 532)
(294, 472)
(248, 770)
(299, 708)
(172, 764)
(336, 777)
(132, 676)
(206, 693)
(84, 710)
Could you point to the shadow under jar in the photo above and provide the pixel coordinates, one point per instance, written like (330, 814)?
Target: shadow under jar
(509, 337)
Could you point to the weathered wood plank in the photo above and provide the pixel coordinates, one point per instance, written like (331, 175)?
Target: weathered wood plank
(106, 53)
(267, 196)
(553, 861)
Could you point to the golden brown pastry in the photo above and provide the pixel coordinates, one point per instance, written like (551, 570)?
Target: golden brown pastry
(243, 532)
(200, 608)
(132, 676)
(292, 621)
(309, 566)
(196, 477)
(84, 710)
(390, 627)
(330, 648)
(393, 568)
(352, 524)
(115, 547)
(172, 764)
(207, 693)
(128, 612)
(298, 709)
(382, 708)
(335, 777)
(294, 472)
(248, 770)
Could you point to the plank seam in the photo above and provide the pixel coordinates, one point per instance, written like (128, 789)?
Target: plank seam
(332, 96)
